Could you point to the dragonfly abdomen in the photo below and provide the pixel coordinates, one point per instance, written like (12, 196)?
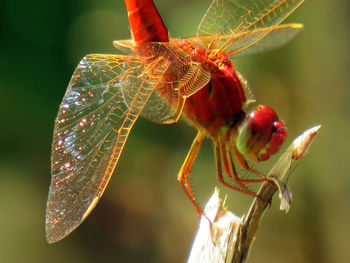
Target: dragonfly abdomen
(145, 22)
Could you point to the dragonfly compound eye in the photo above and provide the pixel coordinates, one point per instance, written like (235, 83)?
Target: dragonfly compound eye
(261, 134)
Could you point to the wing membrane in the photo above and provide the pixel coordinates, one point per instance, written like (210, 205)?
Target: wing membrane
(91, 129)
(231, 17)
(257, 40)
(104, 98)
(277, 37)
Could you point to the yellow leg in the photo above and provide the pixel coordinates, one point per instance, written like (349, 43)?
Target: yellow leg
(245, 165)
(184, 173)
(223, 155)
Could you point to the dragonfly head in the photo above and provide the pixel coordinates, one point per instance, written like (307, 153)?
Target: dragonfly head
(260, 134)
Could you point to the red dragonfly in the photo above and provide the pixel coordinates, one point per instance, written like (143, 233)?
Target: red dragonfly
(163, 79)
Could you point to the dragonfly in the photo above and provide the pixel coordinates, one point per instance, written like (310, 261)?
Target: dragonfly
(162, 79)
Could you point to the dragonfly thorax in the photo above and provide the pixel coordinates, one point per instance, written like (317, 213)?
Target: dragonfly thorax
(220, 102)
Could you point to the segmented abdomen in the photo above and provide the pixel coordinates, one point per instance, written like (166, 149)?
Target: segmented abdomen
(145, 21)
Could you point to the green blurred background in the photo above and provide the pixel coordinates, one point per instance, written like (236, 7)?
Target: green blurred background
(144, 216)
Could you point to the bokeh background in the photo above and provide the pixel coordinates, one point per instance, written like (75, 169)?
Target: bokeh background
(144, 216)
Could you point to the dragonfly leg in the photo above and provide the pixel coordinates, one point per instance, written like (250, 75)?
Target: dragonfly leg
(245, 165)
(184, 173)
(221, 154)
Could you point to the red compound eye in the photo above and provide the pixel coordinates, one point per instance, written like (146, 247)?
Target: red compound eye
(261, 134)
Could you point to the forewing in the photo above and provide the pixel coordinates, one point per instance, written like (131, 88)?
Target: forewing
(231, 17)
(277, 36)
(258, 40)
(90, 131)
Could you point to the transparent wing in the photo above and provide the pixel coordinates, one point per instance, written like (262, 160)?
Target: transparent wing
(91, 128)
(277, 36)
(257, 40)
(232, 17)
(179, 77)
